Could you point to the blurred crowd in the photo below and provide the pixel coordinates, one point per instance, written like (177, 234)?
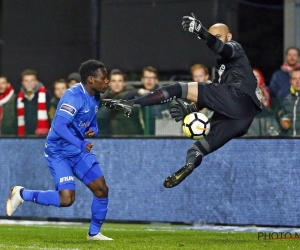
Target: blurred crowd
(29, 111)
(279, 99)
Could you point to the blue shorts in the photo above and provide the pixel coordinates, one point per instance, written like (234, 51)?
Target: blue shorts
(84, 166)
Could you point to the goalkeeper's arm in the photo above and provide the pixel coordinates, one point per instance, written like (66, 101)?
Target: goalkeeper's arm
(193, 25)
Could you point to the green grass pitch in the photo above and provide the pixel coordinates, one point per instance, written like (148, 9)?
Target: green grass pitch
(131, 237)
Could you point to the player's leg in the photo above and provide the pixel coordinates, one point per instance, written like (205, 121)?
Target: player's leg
(89, 172)
(63, 196)
(64, 193)
(168, 93)
(162, 95)
(99, 206)
(234, 113)
(223, 129)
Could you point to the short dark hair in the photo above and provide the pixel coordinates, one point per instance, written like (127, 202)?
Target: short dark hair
(150, 69)
(117, 72)
(3, 76)
(61, 80)
(89, 68)
(28, 72)
(296, 69)
(292, 47)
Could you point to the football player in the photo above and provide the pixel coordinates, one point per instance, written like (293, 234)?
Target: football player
(232, 96)
(68, 154)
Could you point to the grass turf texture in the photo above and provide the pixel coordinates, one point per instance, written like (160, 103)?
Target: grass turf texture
(131, 237)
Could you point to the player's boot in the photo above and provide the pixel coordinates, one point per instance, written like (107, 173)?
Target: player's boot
(127, 107)
(14, 201)
(176, 178)
(98, 236)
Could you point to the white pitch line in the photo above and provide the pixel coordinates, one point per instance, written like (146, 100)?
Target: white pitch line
(29, 222)
(3, 246)
(160, 227)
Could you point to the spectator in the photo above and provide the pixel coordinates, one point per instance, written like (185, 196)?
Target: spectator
(289, 113)
(280, 81)
(60, 86)
(116, 122)
(73, 78)
(8, 118)
(264, 123)
(200, 73)
(32, 105)
(150, 83)
(266, 99)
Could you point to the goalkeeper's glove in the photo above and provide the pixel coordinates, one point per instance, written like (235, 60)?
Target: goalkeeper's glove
(191, 24)
(180, 109)
(127, 107)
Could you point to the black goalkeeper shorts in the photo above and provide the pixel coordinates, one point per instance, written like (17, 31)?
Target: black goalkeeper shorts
(226, 100)
(234, 112)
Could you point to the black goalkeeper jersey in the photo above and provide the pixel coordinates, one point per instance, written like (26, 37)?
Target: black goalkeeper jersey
(237, 72)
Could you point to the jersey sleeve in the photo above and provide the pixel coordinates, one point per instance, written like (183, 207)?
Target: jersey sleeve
(69, 105)
(226, 50)
(94, 126)
(232, 49)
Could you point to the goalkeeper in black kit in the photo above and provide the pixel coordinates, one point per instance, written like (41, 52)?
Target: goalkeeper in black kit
(233, 96)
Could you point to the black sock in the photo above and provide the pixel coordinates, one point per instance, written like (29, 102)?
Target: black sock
(161, 95)
(194, 157)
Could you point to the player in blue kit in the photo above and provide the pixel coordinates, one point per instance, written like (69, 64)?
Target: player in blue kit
(68, 154)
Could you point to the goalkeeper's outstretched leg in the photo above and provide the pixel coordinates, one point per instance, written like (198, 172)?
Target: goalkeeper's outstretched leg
(162, 95)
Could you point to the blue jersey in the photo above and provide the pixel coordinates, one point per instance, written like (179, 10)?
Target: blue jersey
(80, 108)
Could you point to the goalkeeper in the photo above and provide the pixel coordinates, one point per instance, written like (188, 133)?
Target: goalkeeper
(232, 96)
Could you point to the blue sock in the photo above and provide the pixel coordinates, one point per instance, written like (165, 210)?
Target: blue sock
(99, 210)
(46, 198)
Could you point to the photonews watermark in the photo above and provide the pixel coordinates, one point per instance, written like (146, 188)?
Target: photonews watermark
(278, 236)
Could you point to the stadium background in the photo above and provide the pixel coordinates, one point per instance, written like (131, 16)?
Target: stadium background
(249, 181)
(240, 184)
(54, 37)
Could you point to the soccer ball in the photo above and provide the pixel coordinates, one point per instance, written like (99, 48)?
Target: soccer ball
(196, 126)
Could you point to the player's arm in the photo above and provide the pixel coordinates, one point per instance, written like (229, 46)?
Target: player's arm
(191, 24)
(60, 126)
(93, 129)
(65, 113)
